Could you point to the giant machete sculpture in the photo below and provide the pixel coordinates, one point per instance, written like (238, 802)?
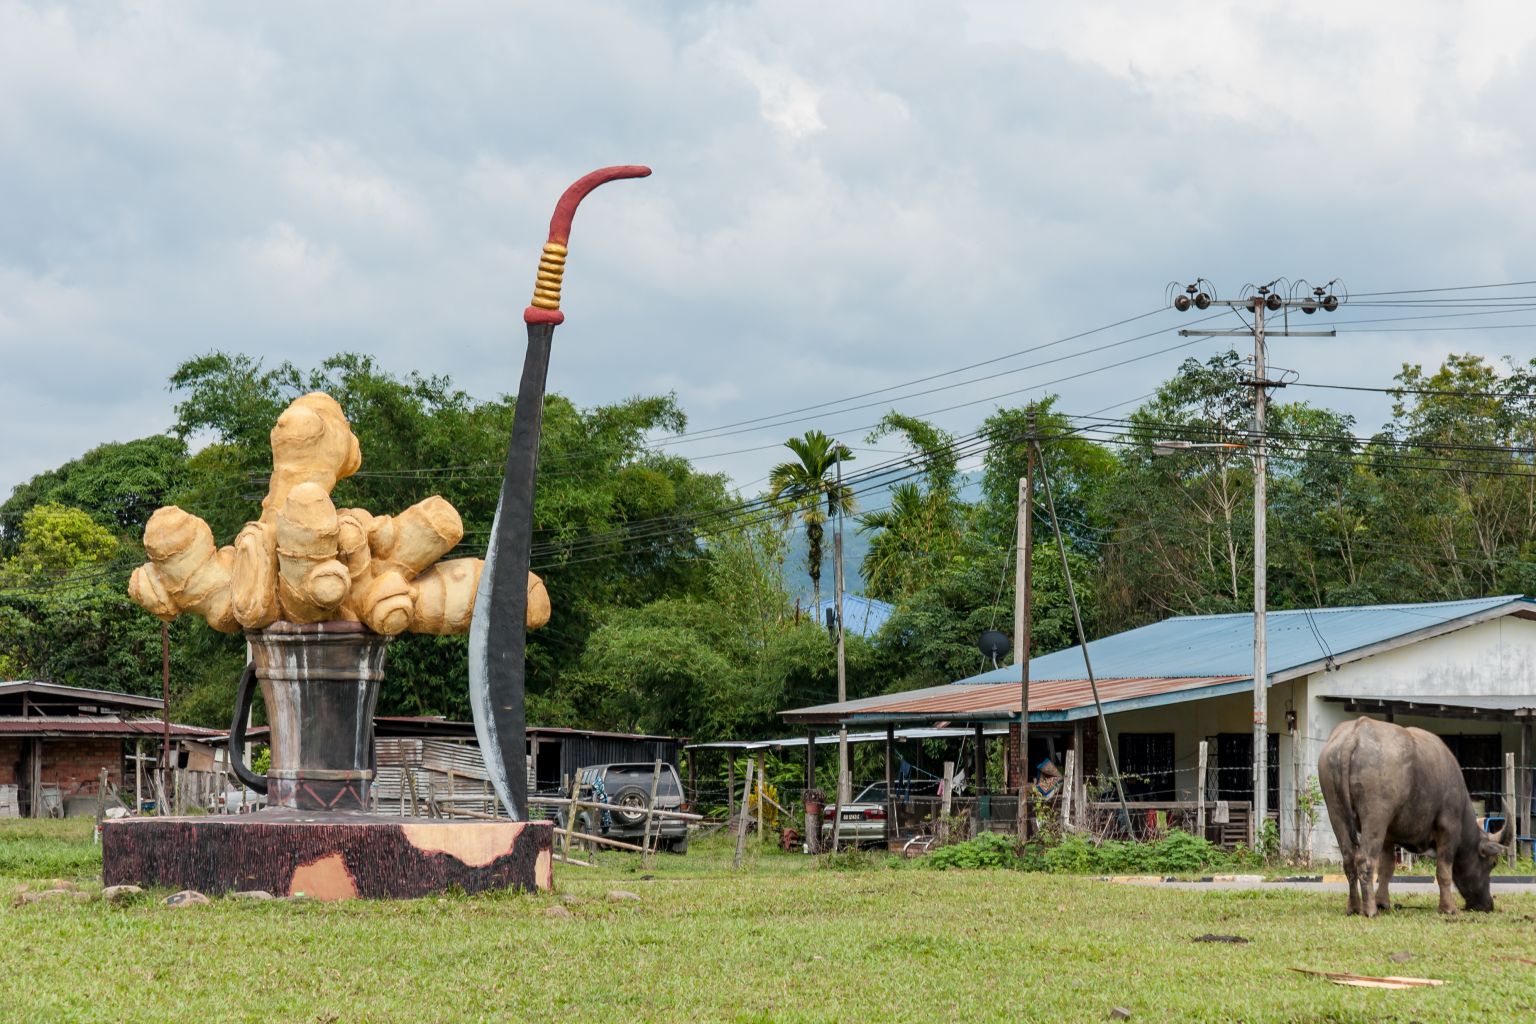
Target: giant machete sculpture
(497, 631)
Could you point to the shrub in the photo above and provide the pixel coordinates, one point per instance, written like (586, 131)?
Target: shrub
(1176, 853)
(988, 850)
(1074, 855)
(1180, 853)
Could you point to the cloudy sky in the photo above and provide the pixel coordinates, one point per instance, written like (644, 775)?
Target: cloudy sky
(847, 196)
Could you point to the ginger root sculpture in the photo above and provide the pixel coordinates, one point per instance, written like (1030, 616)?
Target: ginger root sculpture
(306, 561)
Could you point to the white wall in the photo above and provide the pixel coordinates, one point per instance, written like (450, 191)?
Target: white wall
(1497, 657)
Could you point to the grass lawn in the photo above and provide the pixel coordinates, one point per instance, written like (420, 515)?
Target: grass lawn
(781, 940)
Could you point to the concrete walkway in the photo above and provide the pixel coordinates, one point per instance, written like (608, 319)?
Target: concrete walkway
(1398, 888)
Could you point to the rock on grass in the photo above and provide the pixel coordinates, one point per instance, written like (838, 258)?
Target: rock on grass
(120, 893)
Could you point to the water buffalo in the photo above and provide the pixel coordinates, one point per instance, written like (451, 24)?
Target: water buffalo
(1388, 786)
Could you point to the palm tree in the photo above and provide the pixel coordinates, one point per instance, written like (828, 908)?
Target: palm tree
(807, 488)
(893, 565)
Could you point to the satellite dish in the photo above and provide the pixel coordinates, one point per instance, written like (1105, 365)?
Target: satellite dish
(994, 645)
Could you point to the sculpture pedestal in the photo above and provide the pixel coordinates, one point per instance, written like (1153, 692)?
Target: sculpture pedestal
(327, 856)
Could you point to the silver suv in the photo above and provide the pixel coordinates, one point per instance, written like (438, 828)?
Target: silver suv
(629, 786)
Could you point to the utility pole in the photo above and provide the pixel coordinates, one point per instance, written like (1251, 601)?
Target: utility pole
(1263, 297)
(165, 715)
(1082, 642)
(1023, 568)
(844, 783)
(1260, 585)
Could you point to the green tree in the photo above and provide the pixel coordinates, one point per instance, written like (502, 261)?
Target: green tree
(57, 540)
(917, 534)
(615, 523)
(119, 485)
(932, 636)
(1457, 515)
(807, 489)
(1081, 473)
(1179, 526)
(65, 615)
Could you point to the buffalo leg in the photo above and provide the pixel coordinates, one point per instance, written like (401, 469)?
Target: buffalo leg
(1353, 874)
(1347, 852)
(1343, 829)
(1443, 879)
(1384, 868)
(1366, 856)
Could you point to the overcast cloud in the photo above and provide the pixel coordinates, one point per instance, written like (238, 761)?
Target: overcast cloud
(846, 195)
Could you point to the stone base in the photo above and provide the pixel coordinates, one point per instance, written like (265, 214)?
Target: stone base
(327, 856)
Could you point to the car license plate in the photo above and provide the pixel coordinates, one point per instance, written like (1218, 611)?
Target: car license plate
(853, 815)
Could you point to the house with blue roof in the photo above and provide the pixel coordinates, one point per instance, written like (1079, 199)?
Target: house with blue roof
(1465, 670)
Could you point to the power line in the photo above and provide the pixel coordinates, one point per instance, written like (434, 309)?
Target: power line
(720, 432)
(1442, 392)
(924, 380)
(1450, 288)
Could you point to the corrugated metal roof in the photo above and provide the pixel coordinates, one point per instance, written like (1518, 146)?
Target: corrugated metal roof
(1057, 700)
(864, 615)
(78, 694)
(94, 727)
(1222, 645)
(853, 737)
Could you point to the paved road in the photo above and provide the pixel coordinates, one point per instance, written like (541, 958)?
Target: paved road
(1342, 888)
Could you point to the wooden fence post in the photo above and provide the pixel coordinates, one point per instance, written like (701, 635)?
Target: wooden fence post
(741, 823)
(1200, 791)
(892, 826)
(837, 811)
(762, 832)
(570, 823)
(650, 814)
(1068, 790)
(410, 778)
(948, 802)
(1523, 794)
(1512, 831)
(101, 803)
(730, 784)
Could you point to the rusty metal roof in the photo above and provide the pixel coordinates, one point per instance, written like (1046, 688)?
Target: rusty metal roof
(75, 695)
(1053, 700)
(46, 727)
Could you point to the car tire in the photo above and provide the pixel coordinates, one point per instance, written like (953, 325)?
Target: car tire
(677, 845)
(635, 801)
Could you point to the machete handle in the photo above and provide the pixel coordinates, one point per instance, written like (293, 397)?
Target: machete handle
(545, 307)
